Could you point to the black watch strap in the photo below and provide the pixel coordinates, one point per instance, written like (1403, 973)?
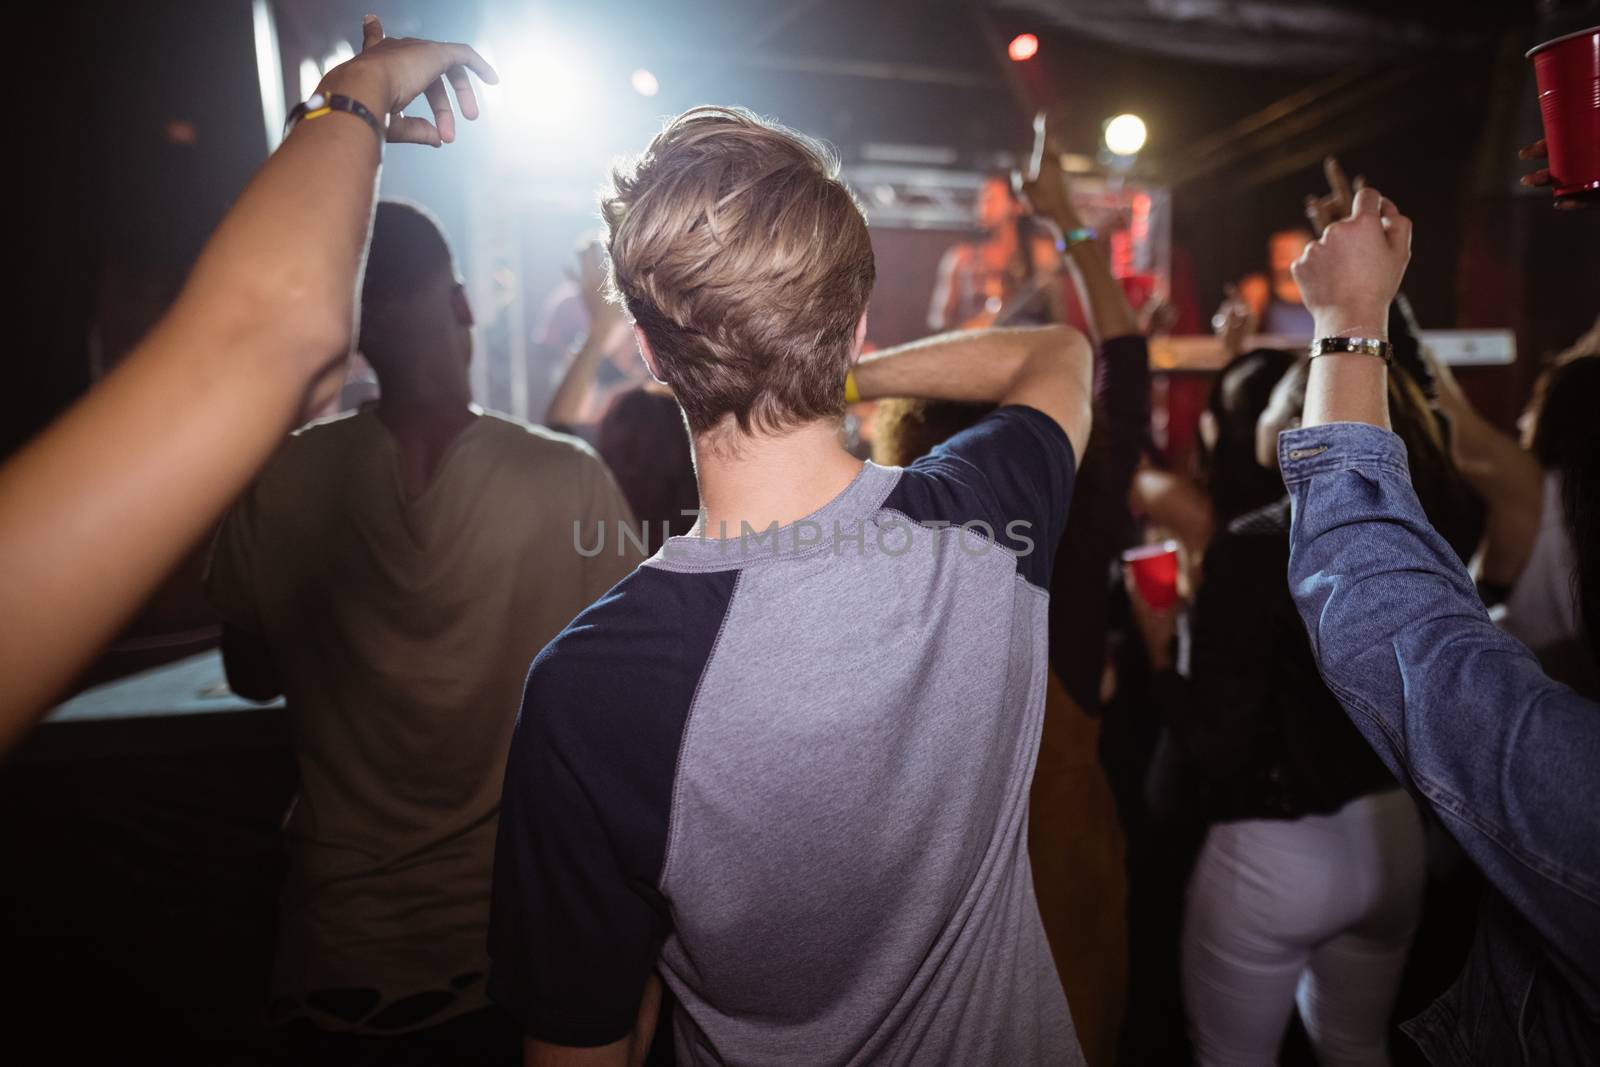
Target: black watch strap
(322, 104)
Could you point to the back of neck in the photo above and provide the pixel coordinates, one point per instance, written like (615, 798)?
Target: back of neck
(761, 479)
(424, 431)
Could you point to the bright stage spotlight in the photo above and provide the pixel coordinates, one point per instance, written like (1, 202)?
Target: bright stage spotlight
(1023, 46)
(1125, 135)
(310, 78)
(645, 83)
(542, 92)
(341, 52)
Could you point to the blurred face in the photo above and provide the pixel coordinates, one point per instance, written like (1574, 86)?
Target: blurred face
(424, 337)
(1283, 411)
(1284, 248)
(996, 207)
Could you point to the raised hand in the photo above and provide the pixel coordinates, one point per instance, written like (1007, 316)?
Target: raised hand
(1348, 277)
(1324, 211)
(391, 72)
(1233, 321)
(589, 276)
(1157, 317)
(1539, 178)
(1045, 183)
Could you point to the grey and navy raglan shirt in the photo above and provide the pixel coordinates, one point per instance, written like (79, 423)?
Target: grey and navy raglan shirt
(789, 771)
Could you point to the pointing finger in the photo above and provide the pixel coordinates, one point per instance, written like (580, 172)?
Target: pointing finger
(1338, 184)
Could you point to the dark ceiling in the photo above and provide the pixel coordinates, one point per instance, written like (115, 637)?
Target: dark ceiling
(932, 72)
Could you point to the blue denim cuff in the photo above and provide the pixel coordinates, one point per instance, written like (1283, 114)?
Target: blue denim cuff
(1339, 446)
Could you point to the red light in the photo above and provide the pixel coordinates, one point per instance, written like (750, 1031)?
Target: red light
(1023, 46)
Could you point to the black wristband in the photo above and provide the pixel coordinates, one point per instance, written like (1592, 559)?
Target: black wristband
(322, 104)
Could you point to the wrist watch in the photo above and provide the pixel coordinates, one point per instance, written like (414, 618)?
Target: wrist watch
(1360, 346)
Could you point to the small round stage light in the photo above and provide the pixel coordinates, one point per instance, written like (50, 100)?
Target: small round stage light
(1023, 46)
(644, 83)
(1125, 135)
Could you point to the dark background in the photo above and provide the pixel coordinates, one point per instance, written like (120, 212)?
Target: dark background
(139, 885)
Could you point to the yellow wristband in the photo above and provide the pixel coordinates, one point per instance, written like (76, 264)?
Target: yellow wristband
(852, 395)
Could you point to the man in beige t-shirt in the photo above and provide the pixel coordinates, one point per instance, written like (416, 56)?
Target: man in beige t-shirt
(393, 573)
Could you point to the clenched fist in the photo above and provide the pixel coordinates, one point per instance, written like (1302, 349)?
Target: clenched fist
(1350, 275)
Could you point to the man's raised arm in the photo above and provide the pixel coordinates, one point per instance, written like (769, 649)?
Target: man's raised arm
(1457, 709)
(99, 507)
(1049, 368)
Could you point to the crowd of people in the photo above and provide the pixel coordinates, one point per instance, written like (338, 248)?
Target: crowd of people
(765, 793)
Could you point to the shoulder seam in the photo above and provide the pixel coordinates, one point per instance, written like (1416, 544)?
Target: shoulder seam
(960, 528)
(683, 741)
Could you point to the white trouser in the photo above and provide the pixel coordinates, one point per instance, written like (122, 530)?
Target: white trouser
(1318, 912)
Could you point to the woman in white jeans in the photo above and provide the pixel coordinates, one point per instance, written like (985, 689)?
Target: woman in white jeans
(1308, 889)
(1316, 912)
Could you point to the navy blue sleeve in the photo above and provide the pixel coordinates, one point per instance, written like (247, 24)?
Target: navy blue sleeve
(578, 918)
(1012, 472)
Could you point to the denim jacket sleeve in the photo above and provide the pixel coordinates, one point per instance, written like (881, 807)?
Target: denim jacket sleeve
(1507, 758)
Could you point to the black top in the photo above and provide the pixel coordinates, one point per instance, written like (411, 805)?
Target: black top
(1253, 733)
(1100, 525)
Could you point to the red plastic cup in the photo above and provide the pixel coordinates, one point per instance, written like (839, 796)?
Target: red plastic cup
(1155, 573)
(1567, 70)
(1138, 288)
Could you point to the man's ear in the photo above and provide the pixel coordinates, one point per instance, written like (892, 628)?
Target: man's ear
(649, 356)
(461, 306)
(860, 339)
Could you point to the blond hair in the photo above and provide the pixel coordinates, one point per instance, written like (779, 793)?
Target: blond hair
(746, 263)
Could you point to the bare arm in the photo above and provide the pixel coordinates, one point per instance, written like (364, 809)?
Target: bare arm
(1048, 191)
(570, 404)
(1109, 312)
(1175, 502)
(1049, 368)
(1508, 478)
(98, 508)
(568, 407)
(1352, 273)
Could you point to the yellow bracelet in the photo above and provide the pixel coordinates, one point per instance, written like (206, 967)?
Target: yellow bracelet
(852, 395)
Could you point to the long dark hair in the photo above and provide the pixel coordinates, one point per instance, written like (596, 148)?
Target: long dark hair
(1446, 499)
(1565, 398)
(1580, 500)
(1566, 438)
(643, 440)
(1235, 482)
